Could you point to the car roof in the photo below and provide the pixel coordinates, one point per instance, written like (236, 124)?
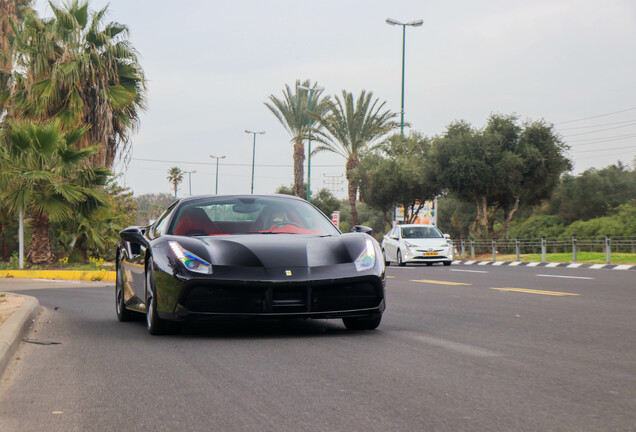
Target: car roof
(416, 225)
(204, 196)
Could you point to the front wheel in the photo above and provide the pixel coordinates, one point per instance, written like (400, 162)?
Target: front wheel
(154, 324)
(362, 323)
(123, 314)
(399, 259)
(447, 263)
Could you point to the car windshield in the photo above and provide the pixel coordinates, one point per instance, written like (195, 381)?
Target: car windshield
(421, 232)
(250, 215)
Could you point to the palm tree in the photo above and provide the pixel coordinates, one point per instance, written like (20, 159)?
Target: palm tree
(75, 68)
(44, 174)
(175, 176)
(10, 11)
(293, 113)
(351, 127)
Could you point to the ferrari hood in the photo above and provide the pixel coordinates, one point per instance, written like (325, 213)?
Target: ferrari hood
(283, 250)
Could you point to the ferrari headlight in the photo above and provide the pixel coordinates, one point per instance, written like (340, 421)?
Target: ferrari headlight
(190, 260)
(366, 260)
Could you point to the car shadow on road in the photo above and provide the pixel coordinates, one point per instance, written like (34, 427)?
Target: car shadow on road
(262, 329)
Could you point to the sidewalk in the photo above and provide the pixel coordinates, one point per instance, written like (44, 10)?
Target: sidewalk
(17, 313)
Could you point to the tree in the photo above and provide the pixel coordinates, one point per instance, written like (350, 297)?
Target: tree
(397, 173)
(43, 174)
(80, 71)
(10, 11)
(499, 167)
(293, 113)
(594, 193)
(95, 230)
(175, 176)
(323, 199)
(351, 128)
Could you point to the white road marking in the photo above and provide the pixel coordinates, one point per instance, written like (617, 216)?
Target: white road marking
(552, 264)
(574, 265)
(533, 264)
(565, 277)
(461, 348)
(514, 263)
(498, 263)
(469, 271)
(623, 267)
(597, 266)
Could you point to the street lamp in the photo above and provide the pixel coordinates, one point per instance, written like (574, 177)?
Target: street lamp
(253, 153)
(311, 93)
(189, 173)
(417, 23)
(216, 187)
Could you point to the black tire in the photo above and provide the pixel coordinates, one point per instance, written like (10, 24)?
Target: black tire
(362, 323)
(429, 264)
(154, 324)
(447, 263)
(386, 261)
(123, 314)
(399, 259)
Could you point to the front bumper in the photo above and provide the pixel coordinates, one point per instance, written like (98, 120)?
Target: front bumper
(417, 255)
(201, 299)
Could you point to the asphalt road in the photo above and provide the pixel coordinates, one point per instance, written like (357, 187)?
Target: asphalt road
(460, 348)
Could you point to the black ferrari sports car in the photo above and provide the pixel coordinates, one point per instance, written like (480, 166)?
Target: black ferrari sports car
(248, 256)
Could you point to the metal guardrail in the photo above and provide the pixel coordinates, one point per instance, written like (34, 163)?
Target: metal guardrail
(544, 245)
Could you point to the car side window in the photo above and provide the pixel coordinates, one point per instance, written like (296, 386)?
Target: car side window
(161, 225)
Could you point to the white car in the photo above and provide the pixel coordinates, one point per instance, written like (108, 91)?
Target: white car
(416, 243)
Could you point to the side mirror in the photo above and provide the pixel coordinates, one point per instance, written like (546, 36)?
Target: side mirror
(362, 229)
(133, 234)
(447, 236)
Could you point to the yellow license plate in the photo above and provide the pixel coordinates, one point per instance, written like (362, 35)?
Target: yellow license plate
(430, 253)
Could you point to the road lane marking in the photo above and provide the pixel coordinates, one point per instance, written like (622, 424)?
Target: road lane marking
(469, 271)
(565, 277)
(390, 277)
(439, 282)
(449, 345)
(531, 291)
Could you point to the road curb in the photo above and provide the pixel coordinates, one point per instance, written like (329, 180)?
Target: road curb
(99, 275)
(14, 328)
(549, 265)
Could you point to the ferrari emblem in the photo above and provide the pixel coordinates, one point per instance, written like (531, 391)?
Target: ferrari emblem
(288, 273)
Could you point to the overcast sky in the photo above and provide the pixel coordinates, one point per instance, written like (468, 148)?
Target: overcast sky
(211, 66)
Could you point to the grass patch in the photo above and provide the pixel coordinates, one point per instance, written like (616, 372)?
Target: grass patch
(582, 257)
(106, 266)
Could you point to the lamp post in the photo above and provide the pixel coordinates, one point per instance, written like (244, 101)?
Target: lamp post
(311, 94)
(189, 173)
(417, 23)
(253, 154)
(216, 186)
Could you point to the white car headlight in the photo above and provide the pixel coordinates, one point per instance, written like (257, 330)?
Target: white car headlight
(190, 260)
(366, 260)
(409, 245)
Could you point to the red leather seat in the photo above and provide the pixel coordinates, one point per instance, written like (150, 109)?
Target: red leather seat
(195, 221)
